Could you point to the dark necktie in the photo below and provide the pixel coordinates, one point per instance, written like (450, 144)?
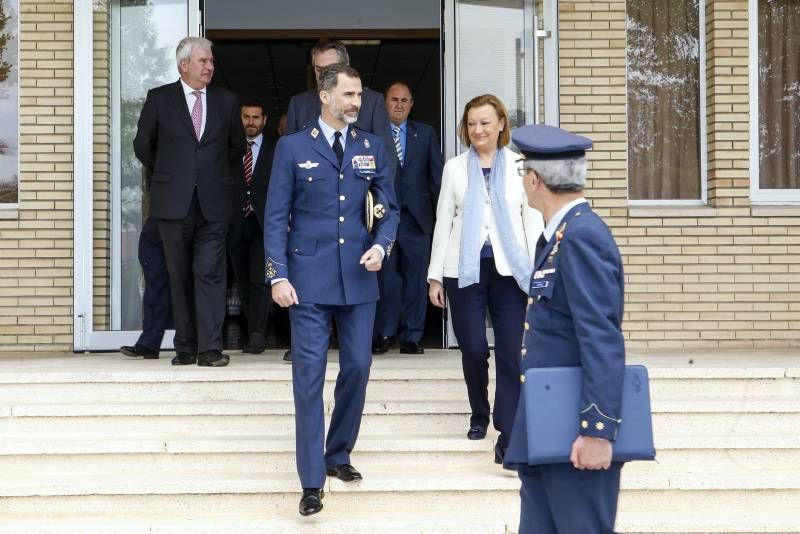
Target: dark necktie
(337, 147)
(540, 244)
(248, 178)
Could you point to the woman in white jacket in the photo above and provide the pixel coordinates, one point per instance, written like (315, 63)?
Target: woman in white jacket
(483, 248)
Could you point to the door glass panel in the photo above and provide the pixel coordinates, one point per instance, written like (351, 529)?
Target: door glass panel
(491, 54)
(149, 33)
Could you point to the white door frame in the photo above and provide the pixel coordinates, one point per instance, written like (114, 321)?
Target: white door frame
(450, 114)
(84, 336)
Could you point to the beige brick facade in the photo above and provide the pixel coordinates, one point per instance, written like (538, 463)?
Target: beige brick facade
(36, 240)
(723, 275)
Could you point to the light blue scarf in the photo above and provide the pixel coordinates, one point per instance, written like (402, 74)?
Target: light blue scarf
(469, 258)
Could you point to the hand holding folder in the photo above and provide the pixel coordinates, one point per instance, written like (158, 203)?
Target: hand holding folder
(551, 396)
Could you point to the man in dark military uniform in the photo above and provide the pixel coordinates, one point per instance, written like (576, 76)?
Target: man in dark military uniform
(573, 319)
(324, 267)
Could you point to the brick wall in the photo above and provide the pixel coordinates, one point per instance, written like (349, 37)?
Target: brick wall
(723, 275)
(36, 240)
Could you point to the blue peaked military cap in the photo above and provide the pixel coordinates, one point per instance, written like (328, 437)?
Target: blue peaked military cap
(539, 141)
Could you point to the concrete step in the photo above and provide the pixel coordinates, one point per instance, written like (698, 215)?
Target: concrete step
(375, 404)
(403, 479)
(373, 454)
(664, 424)
(335, 519)
(177, 387)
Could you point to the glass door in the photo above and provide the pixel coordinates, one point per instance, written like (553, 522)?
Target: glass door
(504, 47)
(131, 49)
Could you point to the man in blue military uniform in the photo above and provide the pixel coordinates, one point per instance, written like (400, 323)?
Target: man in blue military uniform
(324, 267)
(573, 319)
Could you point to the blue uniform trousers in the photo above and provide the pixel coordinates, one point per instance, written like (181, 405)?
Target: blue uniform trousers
(403, 284)
(560, 499)
(156, 302)
(311, 327)
(506, 304)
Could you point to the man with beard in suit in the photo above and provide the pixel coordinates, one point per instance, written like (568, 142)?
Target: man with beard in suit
(246, 233)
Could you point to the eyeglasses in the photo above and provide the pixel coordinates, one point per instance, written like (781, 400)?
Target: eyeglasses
(523, 171)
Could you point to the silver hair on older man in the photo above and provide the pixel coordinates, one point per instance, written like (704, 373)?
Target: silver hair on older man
(185, 47)
(560, 174)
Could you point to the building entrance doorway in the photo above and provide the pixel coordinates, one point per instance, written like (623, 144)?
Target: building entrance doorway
(273, 65)
(448, 51)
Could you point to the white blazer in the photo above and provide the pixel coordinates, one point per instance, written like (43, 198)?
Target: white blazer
(526, 221)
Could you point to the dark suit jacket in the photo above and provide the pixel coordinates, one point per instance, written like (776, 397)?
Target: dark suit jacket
(305, 109)
(420, 177)
(166, 145)
(258, 189)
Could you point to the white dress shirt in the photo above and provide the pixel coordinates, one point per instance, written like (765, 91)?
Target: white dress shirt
(555, 220)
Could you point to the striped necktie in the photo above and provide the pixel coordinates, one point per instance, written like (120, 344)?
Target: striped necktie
(397, 145)
(248, 178)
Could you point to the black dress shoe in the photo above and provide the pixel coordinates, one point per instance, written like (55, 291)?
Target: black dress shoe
(139, 351)
(184, 358)
(287, 356)
(311, 501)
(499, 454)
(344, 472)
(476, 432)
(212, 358)
(411, 347)
(380, 344)
(256, 344)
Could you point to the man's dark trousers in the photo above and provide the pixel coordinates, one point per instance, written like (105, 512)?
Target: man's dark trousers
(156, 303)
(549, 493)
(403, 284)
(196, 245)
(246, 249)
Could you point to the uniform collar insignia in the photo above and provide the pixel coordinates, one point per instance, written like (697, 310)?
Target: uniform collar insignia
(314, 133)
(353, 133)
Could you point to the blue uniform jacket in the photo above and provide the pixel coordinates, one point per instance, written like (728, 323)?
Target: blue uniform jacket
(574, 319)
(323, 208)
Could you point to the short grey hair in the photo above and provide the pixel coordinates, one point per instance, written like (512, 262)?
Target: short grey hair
(329, 76)
(560, 175)
(323, 46)
(187, 44)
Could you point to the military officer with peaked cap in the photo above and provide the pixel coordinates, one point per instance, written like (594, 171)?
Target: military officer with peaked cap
(325, 267)
(573, 319)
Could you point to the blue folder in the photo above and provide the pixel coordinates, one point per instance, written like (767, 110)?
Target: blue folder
(551, 396)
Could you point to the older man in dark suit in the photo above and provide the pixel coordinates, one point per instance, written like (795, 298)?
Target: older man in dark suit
(190, 138)
(403, 280)
(246, 233)
(305, 110)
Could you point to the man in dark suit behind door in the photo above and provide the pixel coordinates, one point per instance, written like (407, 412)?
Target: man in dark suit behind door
(403, 280)
(190, 138)
(246, 233)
